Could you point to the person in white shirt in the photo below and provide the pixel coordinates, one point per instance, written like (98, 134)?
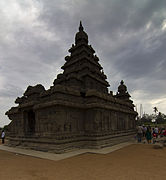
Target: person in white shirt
(139, 133)
(3, 136)
(156, 131)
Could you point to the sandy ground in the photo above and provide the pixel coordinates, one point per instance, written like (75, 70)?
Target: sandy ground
(137, 161)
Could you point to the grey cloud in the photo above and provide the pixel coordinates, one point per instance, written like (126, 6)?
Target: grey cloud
(107, 20)
(10, 91)
(117, 29)
(144, 12)
(142, 62)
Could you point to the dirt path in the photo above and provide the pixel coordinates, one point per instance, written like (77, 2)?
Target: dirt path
(135, 162)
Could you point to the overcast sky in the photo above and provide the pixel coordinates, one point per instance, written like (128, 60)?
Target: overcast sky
(129, 38)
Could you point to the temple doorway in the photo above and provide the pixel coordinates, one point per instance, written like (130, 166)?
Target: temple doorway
(31, 122)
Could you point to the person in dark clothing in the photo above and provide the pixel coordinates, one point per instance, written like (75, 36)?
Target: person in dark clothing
(148, 135)
(3, 136)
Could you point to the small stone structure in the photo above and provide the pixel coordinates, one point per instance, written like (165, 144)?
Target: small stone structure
(77, 111)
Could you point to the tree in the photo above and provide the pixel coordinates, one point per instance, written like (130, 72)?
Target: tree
(161, 118)
(155, 110)
(150, 118)
(5, 128)
(146, 118)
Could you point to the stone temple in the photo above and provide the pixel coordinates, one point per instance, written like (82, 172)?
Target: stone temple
(77, 111)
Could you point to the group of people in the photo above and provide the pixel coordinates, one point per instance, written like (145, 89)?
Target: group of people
(147, 132)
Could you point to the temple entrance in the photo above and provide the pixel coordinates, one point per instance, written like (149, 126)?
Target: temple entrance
(31, 122)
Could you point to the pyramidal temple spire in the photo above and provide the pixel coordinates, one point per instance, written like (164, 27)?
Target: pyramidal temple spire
(81, 36)
(81, 27)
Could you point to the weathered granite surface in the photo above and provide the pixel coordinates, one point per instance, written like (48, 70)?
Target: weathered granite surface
(77, 111)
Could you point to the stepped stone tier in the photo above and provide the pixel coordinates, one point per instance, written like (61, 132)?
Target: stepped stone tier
(77, 111)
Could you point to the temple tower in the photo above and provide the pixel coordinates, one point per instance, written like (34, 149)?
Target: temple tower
(82, 69)
(122, 92)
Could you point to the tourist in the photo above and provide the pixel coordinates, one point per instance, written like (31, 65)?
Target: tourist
(148, 135)
(144, 130)
(156, 131)
(139, 133)
(153, 131)
(3, 136)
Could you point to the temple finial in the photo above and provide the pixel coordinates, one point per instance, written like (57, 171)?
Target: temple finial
(81, 27)
(122, 82)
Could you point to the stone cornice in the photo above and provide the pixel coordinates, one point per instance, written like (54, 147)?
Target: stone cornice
(81, 106)
(83, 57)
